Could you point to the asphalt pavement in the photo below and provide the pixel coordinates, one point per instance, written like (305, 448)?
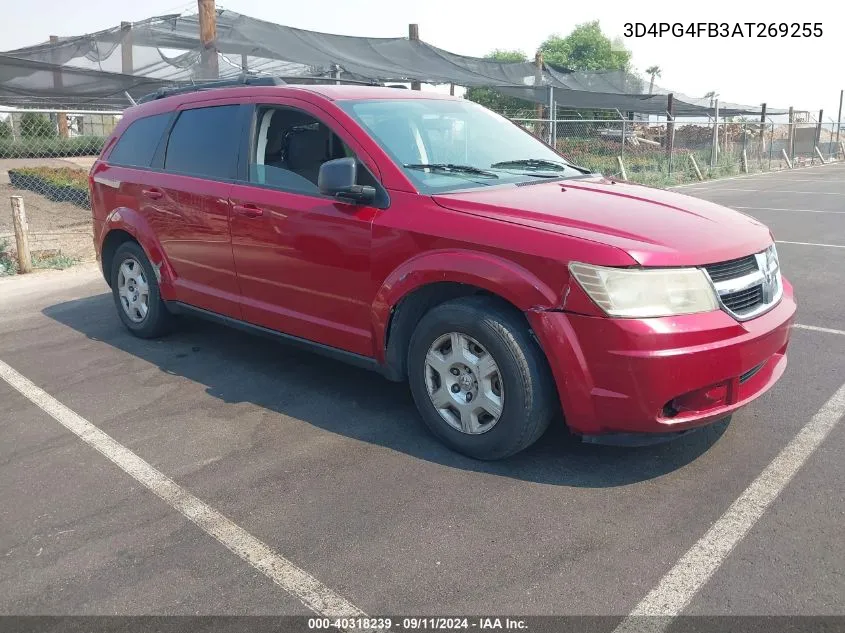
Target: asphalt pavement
(331, 468)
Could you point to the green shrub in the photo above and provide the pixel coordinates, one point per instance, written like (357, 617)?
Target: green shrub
(50, 147)
(37, 125)
(8, 262)
(57, 260)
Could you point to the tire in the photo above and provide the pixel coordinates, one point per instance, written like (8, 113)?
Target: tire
(155, 320)
(525, 396)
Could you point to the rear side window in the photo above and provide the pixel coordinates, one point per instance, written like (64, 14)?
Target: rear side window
(137, 145)
(204, 142)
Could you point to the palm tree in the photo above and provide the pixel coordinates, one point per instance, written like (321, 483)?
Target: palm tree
(654, 71)
(712, 96)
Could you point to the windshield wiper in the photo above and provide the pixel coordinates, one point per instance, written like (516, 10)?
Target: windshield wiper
(451, 168)
(533, 163)
(541, 164)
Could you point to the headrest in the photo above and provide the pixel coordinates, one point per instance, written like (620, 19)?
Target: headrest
(306, 149)
(398, 137)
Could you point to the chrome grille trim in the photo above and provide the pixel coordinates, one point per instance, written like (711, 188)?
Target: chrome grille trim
(750, 294)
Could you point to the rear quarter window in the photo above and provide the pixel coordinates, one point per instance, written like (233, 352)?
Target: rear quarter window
(204, 142)
(137, 145)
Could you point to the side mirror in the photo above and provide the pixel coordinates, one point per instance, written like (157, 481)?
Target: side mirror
(337, 178)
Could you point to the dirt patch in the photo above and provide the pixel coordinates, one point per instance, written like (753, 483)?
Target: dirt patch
(53, 226)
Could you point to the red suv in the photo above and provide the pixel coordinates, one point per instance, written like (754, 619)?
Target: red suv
(434, 241)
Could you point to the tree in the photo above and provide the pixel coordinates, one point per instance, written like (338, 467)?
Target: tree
(654, 71)
(496, 101)
(586, 48)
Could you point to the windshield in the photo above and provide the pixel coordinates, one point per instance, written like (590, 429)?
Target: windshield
(446, 145)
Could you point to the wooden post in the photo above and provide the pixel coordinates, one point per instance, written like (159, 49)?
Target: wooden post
(744, 164)
(414, 36)
(819, 127)
(452, 90)
(21, 234)
(622, 168)
(786, 158)
(670, 128)
(208, 38)
(839, 118)
(244, 63)
(61, 117)
(790, 138)
(695, 167)
(538, 82)
(819, 154)
(126, 63)
(762, 131)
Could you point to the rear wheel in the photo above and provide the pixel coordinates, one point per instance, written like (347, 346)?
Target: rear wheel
(136, 293)
(479, 380)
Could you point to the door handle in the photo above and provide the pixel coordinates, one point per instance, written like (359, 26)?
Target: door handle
(248, 210)
(152, 194)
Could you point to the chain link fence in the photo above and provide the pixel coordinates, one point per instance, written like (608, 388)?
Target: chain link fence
(662, 153)
(45, 155)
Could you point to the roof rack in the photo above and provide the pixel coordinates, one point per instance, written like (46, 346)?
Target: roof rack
(248, 80)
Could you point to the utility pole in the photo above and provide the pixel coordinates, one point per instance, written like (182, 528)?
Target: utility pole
(714, 152)
(414, 36)
(790, 139)
(208, 38)
(670, 129)
(58, 84)
(538, 83)
(126, 63)
(839, 118)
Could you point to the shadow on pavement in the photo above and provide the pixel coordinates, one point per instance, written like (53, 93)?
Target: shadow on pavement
(237, 367)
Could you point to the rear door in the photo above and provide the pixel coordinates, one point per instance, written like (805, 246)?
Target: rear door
(199, 164)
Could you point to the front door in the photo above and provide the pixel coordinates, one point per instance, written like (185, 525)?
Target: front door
(302, 259)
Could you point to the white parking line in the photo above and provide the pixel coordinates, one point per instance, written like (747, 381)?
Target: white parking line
(782, 172)
(678, 587)
(811, 244)
(778, 209)
(816, 328)
(768, 191)
(310, 591)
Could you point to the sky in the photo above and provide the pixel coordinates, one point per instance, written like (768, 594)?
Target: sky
(807, 73)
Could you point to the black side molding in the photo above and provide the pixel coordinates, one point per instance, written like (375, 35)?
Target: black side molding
(365, 362)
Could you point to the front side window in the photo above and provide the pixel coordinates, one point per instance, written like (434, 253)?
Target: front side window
(448, 145)
(137, 145)
(290, 146)
(204, 143)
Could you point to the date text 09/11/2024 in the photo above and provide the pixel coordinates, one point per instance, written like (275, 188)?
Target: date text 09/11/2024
(724, 29)
(365, 623)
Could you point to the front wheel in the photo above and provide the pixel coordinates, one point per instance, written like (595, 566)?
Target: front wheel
(479, 380)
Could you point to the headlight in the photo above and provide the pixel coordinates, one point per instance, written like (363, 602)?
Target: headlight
(641, 293)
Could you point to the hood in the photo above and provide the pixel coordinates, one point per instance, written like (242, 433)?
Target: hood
(654, 226)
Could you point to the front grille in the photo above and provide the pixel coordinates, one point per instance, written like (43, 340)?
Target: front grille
(732, 269)
(747, 286)
(743, 301)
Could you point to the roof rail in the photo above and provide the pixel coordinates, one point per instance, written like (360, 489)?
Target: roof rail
(248, 80)
(242, 80)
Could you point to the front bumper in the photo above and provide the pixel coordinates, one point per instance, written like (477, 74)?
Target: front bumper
(661, 375)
